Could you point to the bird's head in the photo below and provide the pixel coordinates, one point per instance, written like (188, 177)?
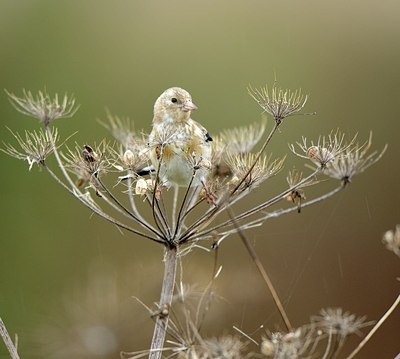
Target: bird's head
(174, 105)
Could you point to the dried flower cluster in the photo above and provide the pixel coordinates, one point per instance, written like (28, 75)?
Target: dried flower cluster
(324, 336)
(238, 164)
(43, 107)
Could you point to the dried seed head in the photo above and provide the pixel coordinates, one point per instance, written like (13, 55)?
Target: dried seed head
(354, 160)
(123, 130)
(277, 102)
(242, 140)
(87, 162)
(42, 106)
(254, 172)
(35, 147)
(335, 321)
(325, 150)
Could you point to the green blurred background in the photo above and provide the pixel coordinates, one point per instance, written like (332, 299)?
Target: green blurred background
(67, 279)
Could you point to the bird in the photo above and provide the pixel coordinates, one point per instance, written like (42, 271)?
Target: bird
(179, 147)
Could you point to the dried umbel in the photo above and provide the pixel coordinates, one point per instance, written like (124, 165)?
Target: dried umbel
(336, 321)
(325, 150)
(353, 161)
(43, 107)
(87, 162)
(35, 146)
(210, 176)
(277, 102)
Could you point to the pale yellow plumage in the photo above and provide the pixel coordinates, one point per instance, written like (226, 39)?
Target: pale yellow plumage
(179, 146)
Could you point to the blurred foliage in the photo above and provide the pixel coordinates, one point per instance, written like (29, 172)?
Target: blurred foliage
(121, 55)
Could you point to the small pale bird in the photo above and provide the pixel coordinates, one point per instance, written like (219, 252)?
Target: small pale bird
(179, 146)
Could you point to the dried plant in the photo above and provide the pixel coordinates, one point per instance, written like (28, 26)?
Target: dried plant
(193, 216)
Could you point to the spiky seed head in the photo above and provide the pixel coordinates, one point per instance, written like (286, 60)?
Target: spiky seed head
(43, 107)
(277, 102)
(35, 146)
(354, 161)
(335, 321)
(325, 150)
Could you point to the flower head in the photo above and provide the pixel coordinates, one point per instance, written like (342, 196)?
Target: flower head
(335, 321)
(35, 147)
(123, 130)
(327, 148)
(87, 162)
(42, 106)
(241, 165)
(353, 161)
(277, 102)
(242, 140)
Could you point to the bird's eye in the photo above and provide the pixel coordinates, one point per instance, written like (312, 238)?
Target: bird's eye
(174, 100)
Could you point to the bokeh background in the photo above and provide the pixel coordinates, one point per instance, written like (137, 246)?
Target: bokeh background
(67, 279)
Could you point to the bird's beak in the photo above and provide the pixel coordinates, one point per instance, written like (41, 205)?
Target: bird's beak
(189, 106)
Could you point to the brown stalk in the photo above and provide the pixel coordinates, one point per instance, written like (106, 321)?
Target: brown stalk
(262, 271)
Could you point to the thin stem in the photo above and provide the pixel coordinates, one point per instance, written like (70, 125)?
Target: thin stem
(174, 205)
(246, 214)
(212, 212)
(263, 273)
(154, 204)
(167, 292)
(163, 214)
(278, 197)
(190, 209)
(375, 328)
(156, 213)
(98, 211)
(281, 212)
(178, 221)
(328, 347)
(267, 216)
(7, 341)
(59, 162)
(124, 209)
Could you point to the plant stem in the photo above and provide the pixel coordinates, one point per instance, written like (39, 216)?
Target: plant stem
(263, 272)
(167, 292)
(375, 328)
(7, 341)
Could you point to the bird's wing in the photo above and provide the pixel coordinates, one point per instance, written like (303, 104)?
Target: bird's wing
(207, 136)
